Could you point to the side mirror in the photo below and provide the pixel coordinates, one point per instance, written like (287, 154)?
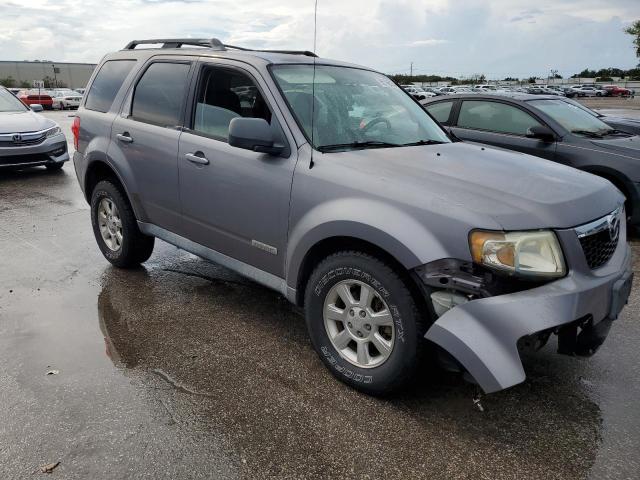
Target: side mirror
(541, 133)
(253, 134)
(36, 107)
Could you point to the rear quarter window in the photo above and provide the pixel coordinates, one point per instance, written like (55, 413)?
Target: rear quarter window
(107, 83)
(440, 111)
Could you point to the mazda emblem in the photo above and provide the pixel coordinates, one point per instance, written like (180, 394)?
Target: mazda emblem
(614, 227)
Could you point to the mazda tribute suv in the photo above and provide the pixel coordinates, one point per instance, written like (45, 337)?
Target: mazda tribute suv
(328, 183)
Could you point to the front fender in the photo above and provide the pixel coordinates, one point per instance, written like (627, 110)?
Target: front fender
(390, 229)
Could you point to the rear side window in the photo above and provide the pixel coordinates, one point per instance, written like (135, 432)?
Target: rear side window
(496, 117)
(159, 96)
(107, 83)
(440, 111)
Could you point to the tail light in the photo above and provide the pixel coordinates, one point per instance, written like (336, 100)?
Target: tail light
(75, 129)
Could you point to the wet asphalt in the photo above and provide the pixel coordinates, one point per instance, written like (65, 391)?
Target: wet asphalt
(182, 369)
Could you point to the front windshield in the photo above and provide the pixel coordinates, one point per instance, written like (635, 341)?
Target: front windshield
(354, 108)
(9, 103)
(572, 118)
(582, 107)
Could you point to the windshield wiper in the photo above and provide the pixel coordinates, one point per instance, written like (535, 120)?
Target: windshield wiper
(422, 142)
(357, 144)
(588, 133)
(615, 131)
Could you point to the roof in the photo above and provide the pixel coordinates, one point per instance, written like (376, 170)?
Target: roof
(216, 49)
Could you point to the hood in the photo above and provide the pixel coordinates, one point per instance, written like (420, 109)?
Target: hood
(627, 146)
(23, 122)
(485, 186)
(621, 120)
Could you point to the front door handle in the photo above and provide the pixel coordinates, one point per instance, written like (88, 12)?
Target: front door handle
(197, 157)
(124, 137)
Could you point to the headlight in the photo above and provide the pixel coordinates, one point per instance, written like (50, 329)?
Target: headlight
(53, 131)
(526, 253)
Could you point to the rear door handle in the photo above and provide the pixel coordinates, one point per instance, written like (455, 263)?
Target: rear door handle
(124, 137)
(197, 157)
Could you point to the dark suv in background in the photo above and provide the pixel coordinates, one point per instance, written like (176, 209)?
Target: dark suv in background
(327, 183)
(548, 127)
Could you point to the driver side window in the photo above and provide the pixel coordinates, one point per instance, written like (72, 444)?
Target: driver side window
(225, 94)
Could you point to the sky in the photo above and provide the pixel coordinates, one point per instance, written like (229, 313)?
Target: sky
(498, 38)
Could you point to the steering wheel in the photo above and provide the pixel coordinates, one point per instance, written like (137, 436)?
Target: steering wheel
(374, 122)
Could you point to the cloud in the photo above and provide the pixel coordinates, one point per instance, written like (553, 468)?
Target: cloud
(461, 37)
(426, 41)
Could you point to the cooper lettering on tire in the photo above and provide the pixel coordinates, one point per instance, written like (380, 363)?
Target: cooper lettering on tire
(363, 322)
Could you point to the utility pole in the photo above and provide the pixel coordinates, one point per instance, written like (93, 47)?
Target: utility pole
(55, 77)
(411, 70)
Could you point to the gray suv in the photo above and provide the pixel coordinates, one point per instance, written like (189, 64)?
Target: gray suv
(328, 183)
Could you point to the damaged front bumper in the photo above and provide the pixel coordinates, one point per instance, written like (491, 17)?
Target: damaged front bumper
(483, 334)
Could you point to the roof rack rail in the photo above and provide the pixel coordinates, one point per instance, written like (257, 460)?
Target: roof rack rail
(289, 52)
(212, 43)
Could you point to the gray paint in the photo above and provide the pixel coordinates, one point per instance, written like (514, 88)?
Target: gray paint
(617, 159)
(482, 334)
(417, 203)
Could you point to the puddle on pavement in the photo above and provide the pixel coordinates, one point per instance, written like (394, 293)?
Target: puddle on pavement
(230, 357)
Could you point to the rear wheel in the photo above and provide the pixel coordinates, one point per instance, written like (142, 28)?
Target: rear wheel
(116, 229)
(364, 323)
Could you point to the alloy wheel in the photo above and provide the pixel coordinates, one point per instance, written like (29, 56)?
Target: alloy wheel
(110, 224)
(359, 323)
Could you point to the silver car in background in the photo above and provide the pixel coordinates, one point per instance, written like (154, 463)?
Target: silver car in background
(28, 139)
(66, 99)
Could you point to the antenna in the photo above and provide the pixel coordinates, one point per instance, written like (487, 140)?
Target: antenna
(315, 25)
(313, 82)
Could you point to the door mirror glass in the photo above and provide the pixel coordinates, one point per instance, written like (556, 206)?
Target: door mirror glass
(253, 134)
(542, 133)
(36, 107)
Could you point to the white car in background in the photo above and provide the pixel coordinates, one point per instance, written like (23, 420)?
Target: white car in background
(65, 99)
(417, 92)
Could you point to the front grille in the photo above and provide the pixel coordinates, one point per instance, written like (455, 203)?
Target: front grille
(599, 239)
(22, 143)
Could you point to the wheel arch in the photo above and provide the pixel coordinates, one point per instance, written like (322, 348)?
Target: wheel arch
(99, 170)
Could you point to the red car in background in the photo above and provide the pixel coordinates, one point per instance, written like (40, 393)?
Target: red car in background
(30, 97)
(616, 91)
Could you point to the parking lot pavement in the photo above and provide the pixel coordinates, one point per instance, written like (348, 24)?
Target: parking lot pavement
(629, 107)
(181, 369)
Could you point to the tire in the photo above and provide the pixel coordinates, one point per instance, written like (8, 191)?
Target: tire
(408, 346)
(133, 247)
(54, 167)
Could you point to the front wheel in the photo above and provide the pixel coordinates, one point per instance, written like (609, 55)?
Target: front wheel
(115, 227)
(364, 323)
